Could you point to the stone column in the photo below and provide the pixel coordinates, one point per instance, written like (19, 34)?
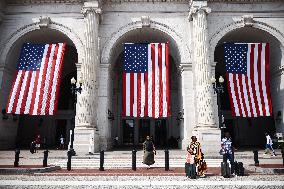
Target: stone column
(86, 115)
(187, 123)
(206, 129)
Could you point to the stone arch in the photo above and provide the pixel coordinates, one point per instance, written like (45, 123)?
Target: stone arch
(214, 40)
(182, 47)
(36, 26)
(14, 41)
(257, 32)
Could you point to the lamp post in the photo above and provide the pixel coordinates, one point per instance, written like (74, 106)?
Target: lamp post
(219, 89)
(75, 87)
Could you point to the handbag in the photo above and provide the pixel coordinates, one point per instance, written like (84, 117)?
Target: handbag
(222, 151)
(204, 165)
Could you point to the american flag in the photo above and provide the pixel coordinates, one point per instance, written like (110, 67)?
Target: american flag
(247, 66)
(146, 88)
(35, 89)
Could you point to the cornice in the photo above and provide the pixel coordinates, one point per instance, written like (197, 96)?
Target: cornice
(131, 1)
(43, 1)
(244, 1)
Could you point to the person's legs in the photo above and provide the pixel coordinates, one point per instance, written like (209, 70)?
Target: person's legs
(267, 149)
(231, 159)
(272, 150)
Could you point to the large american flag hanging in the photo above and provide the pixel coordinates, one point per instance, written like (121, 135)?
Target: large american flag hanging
(36, 87)
(247, 66)
(146, 88)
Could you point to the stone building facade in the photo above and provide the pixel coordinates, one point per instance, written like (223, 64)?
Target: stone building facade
(95, 32)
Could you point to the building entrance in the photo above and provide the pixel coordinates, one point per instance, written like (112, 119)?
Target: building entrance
(135, 131)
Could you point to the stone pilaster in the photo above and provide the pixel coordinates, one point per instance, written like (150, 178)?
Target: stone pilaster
(186, 124)
(86, 115)
(206, 129)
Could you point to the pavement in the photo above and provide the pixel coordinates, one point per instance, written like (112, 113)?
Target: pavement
(118, 174)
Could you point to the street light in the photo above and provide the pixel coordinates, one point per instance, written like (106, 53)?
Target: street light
(75, 87)
(219, 89)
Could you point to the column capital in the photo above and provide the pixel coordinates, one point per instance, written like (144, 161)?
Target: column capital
(198, 9)
(91, 7)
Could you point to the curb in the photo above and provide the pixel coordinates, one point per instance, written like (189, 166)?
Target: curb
(29, 170)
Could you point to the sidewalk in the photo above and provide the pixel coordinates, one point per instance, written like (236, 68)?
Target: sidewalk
(119, 162)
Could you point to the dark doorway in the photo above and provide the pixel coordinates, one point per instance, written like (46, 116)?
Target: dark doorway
(144, 129)
(160, 133)
(128, 131)
(60, 130)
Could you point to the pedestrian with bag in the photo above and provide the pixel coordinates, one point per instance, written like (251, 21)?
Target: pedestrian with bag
(149, 152)
(198, 156)
(227, 152)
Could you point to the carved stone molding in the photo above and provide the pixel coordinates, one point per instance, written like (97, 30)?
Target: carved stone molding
(185, 67)
(194, 10)
(87, 10)
(44, 21)
(91, 7)
(43, 1)
(247, 20)
(145, 20)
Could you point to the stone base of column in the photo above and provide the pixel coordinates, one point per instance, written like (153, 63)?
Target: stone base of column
(86, 140)
(106, 144)
(209, 138)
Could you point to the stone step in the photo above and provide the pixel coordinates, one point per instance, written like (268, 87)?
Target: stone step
(127, 163)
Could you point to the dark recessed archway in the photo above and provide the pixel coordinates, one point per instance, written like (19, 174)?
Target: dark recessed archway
(160, 129)
(49, 127)
(250, 131)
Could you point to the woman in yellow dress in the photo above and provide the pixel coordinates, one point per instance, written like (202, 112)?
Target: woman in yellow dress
(199, 156)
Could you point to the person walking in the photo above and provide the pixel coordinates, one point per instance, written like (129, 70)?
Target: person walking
(149, 152)
(37, 142)
(268, 147)
(199, 156)
(226, 145)
(61, 146)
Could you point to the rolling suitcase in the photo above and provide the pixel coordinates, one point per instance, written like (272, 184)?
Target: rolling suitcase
(236, 168)
(241, 169)
(225, 169)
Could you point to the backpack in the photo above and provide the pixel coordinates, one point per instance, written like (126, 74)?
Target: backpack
(149, 146)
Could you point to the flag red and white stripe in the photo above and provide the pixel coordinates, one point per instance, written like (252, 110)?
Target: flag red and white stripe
(36, 92)
(148, 94)
(250, 92)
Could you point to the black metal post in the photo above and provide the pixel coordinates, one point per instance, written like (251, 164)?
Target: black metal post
(167, 163)
(219, 112)
(219, 90)
(74, 91)
(255, 156)
(45, 156)
(134, 159)
(102, 154)
(17, 158)
(69, 154)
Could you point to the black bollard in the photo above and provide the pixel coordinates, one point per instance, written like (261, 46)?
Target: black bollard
(134, 160)
(69, 154)
(167, 163)
(17, 158)
(255, 156)
(282, 152)
(102, 154)
(45, 155)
